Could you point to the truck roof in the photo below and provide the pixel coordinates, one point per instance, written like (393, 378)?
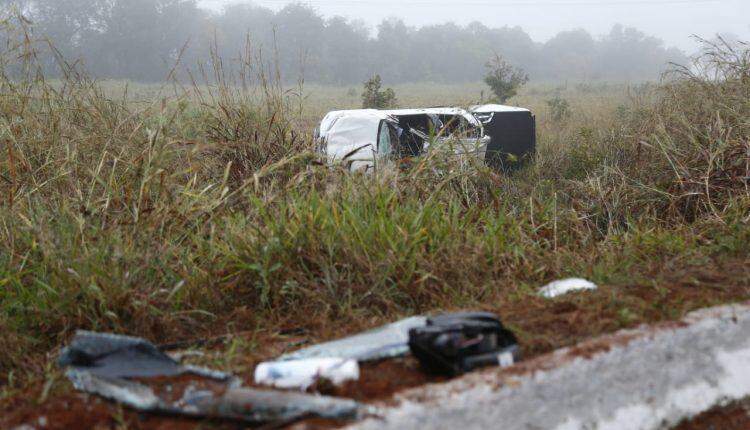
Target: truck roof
(490, 108)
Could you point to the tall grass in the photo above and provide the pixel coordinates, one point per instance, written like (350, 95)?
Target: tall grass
(204, 211)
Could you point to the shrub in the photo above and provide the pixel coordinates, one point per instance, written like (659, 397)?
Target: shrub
(374, 97)
(504, 79)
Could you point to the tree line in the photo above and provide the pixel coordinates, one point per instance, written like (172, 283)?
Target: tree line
(143, 40)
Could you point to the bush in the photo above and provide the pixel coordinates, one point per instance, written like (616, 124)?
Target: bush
(504, 79)
(374, 97)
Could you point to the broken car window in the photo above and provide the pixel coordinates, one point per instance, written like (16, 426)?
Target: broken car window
(384, 139)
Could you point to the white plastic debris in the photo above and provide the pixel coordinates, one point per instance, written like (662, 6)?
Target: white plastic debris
(303, 373)
(388, 341)
(565, 286)
(505, 359)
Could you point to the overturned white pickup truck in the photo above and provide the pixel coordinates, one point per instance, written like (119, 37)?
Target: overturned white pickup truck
(503, 136)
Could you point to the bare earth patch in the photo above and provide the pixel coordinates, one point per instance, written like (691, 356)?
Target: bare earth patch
(735, 416)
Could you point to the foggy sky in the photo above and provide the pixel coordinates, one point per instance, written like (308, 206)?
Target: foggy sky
(671, 20)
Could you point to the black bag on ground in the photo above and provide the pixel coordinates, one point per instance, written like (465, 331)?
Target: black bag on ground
(453, 344)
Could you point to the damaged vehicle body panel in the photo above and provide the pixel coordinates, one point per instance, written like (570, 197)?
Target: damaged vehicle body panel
(356, 137)
(513, 135)
(499, 135)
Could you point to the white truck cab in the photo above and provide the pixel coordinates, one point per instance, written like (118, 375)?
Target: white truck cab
(363, 138)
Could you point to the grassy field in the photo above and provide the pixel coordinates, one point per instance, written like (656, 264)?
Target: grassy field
(201, 212)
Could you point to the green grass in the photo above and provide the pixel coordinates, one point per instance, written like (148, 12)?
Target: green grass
(176, 215)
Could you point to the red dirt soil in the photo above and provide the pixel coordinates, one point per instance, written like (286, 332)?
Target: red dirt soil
(81, 411)
(379, 381)
(733, 417)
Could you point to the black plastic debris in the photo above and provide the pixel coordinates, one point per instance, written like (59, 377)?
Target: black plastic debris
(453, 344)
(116, 356)
(121, 368)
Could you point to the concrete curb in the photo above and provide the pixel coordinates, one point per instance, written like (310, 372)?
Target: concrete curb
(652, 377)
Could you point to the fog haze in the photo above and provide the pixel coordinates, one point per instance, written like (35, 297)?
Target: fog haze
(674, 21)
(345, 42)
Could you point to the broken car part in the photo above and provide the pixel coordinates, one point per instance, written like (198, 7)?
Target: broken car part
(512, 131)
(133, 372)
(303, 374)
(389, 341)
(453, 344)
(116, 356)
(242, 404)
(565, 286)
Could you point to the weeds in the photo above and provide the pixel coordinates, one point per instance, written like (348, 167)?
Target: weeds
(559, 108)
(704, 132)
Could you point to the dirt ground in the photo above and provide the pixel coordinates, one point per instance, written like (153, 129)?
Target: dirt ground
(542, 326)
(732, 417)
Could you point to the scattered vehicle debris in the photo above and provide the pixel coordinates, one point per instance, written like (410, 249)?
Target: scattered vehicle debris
(116, 356)
(565, 286)
(365, 137)
(133, 372)
(389, 341)
(194, 399)
(448, 344)
(303, 374)
(453, 344)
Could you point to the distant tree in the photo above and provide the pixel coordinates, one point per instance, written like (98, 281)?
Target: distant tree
(299, 41)
(393, 55)
(143, 40)
(572, 54)
(374, 97)
(504, 79)
(345, 51)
